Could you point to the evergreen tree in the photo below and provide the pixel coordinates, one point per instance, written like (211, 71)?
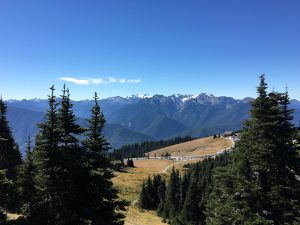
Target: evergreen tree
(144, 197)
(157, 182)
(5, 187)
(67, 120)
(71, 169)
(26, 182)
(147, 195)
(161, 191)
(48, 160)
(129, 163)
(190, 214)
(297, 154)
(288, 149)
(153, 192)
(10, 156)
(103, 207)
(10, 159)
(73, 181)
(172, 197)
(184, 188)
(259, 187)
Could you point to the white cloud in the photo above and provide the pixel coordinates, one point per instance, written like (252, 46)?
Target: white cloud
(134, 81)
(97, 81)
(111, 80)
(75, 80)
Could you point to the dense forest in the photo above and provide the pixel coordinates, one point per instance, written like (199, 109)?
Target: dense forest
(257, 183)
(139, 149)
(64, 179)
(183, 199)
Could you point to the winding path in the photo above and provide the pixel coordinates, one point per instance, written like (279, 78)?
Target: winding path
(165, 170)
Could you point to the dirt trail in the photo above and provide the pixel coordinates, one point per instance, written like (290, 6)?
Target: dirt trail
(165, 170)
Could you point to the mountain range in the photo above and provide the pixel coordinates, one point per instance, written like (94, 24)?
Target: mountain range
(143, 117)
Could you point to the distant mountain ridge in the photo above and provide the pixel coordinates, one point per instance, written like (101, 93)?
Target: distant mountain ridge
(24, 122)
(143, 117)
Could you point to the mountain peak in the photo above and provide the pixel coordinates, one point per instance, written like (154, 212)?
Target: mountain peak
(140, 96)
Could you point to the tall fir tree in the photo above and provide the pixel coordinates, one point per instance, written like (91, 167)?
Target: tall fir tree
(152, 193)
(67, 121)
(185, 183)
(297, 154)
(26, 174)
(5, 187)
(259, 187)
(144, 197)
(10, 159)
(104, 207)
(190, 213)
(170, 206)
(161, 192)
(71, 169)
(10, 156)
(158, 190)
(288, 150)
(48, 160)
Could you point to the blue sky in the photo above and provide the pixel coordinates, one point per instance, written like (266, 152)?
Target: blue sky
(125, 47)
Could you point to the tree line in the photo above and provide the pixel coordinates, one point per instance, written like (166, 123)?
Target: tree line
(65, 178)
(139, 149)
(257, 183)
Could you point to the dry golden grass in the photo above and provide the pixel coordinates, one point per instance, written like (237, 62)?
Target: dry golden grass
(201, 146)
(136, 216)
(129, 185)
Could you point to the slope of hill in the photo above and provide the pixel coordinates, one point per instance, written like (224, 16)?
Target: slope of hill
(202, 146)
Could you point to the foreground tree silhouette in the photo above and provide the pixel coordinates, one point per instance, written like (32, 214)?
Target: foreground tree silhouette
(104, 207)
(48, 161)
(72, 163)
(5, 186)
(10, 156)
(73, 177)
(259, 186)
(26, 182)
(10, 159)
